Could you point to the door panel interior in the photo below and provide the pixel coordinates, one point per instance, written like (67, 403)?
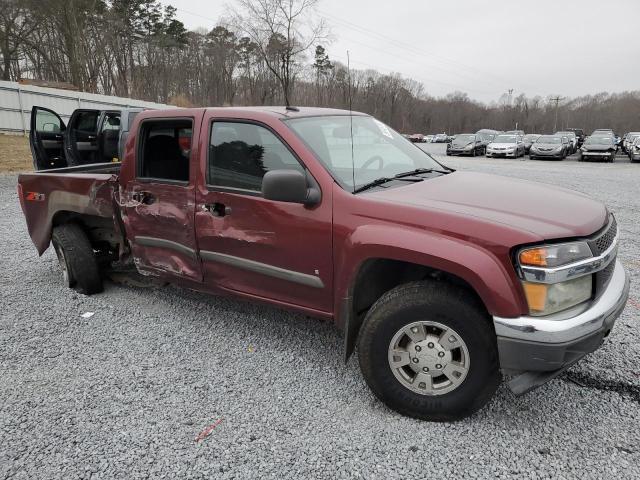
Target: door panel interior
(46, 139)
(81, 137)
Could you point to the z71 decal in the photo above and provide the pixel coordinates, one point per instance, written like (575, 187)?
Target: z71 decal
(34, 197)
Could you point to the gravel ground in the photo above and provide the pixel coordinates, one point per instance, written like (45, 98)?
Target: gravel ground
(126, 392)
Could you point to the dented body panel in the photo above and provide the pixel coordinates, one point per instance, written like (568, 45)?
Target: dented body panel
(44, 196)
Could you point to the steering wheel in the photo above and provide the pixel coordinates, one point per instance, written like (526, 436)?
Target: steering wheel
(375, 158)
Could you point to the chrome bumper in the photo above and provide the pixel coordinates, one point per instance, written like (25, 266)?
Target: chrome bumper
(602, 312)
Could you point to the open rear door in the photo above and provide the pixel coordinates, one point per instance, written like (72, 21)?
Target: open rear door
(81, 137)
(46, 139)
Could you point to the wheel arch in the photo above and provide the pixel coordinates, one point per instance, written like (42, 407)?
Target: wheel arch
(472, 268)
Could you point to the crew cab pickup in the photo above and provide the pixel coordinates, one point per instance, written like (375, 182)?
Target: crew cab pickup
(444, 280)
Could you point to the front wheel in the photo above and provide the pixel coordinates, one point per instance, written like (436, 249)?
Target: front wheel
(427, 350)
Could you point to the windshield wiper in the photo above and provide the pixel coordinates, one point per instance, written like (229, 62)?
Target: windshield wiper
(418, 171)
(381, 180)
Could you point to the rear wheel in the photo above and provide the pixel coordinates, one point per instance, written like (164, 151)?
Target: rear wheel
(427, 350)
(76, 258)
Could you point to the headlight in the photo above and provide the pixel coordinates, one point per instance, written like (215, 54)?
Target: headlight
(554, 255)
(545, 299)
(548, 298)
(468, 147)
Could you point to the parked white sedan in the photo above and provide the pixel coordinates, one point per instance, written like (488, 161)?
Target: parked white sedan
(506, 146)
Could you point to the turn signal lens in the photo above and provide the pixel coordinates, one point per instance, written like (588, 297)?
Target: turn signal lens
(536, 294)
(535, 256)
(555, 255)
(545, 299)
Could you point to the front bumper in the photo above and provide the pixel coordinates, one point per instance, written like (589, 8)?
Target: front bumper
(540, 349)
(501, 153)
(550, 154)
(596, 155)
(455, 151)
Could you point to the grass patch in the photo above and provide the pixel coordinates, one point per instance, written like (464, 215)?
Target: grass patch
(15, 155)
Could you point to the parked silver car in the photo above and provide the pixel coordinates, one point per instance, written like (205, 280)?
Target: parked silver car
(504, 145)
(573, 140)
(549, 146)
(629, 139)
(634, 150)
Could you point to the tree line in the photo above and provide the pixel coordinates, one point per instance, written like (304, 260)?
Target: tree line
(265, 52)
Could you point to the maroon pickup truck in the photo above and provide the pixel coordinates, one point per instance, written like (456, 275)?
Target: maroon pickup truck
(443, 280)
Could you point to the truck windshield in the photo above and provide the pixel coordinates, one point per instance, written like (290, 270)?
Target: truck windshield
(378, 151)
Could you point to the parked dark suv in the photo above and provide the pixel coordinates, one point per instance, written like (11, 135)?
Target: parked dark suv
(91, 136)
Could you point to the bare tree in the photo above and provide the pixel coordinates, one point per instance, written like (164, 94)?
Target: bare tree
(283, 31)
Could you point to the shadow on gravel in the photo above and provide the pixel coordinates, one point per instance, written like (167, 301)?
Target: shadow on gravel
(595, 383)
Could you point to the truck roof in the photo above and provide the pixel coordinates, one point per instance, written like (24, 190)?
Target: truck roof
(276, 111)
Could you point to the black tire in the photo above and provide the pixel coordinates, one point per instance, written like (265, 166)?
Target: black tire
(473, 152)
(451, 306)
(76, 257)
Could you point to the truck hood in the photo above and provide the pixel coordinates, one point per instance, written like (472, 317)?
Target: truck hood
(543, 211)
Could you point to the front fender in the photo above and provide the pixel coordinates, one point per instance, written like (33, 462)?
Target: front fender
(486, 268)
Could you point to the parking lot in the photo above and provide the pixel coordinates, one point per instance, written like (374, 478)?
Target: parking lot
(165, 382)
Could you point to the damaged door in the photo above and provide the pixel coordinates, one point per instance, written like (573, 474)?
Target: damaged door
(158, 201)
(263, 248)
(45, 139)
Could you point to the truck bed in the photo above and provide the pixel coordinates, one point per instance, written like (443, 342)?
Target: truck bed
(85, 190)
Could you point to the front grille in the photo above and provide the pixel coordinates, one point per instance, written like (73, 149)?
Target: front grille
(601, 243)
(602, 278)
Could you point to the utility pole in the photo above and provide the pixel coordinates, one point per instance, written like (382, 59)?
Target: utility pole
(557, 100)
(510, 115)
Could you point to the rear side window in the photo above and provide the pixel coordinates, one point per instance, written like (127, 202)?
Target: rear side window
(163, 154)
(87, 121)
(241, 153)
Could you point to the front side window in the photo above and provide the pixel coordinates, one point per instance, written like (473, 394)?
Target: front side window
(241, 153)
(163, 154)
(48, 122)
(374, 150)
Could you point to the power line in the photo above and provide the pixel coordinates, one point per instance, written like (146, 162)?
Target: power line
(395, 55)
(424, 53)
(406, 47)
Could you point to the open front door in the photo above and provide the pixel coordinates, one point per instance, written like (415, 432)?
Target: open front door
(45, 139)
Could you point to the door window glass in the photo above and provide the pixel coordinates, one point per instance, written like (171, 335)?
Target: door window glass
(87, 121)
(111, 122)
(47, 122)
(241, 153)
(164, 155)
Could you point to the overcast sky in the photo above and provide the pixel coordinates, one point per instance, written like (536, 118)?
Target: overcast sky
(481, 47)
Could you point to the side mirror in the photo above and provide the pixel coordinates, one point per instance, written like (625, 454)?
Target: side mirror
(289, 186)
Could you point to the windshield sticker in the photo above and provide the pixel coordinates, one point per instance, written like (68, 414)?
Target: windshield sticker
(383, 129)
